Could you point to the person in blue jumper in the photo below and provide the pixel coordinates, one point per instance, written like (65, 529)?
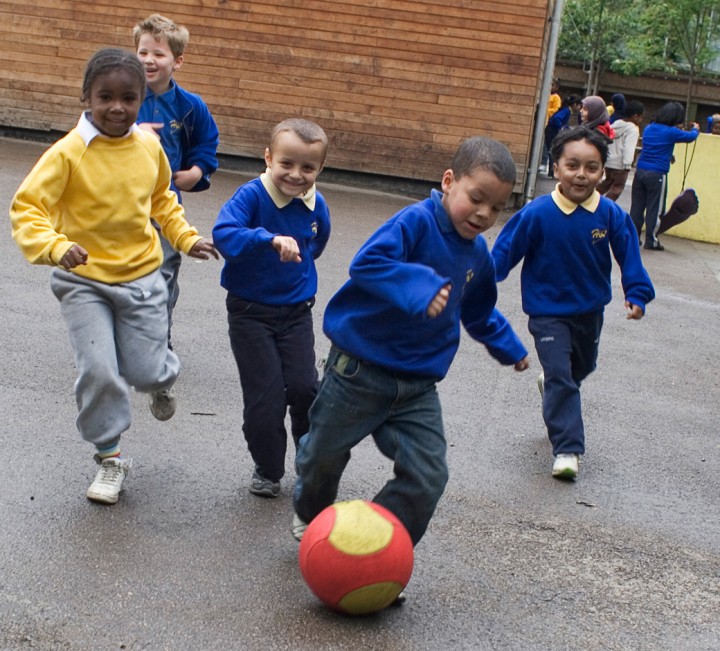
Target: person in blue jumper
(270, 233)
(649, 187)
(570, 106)
(394, 327)
(187, 130)
(565, 240)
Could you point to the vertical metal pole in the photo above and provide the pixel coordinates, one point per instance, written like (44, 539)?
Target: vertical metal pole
(536, 152)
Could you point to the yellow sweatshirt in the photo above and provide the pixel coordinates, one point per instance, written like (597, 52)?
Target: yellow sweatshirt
(100, 192)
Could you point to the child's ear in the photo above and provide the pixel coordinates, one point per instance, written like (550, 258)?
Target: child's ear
(178, 63)
(268, 156)
(447, 180)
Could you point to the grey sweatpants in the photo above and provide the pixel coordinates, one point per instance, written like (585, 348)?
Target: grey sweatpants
(119, 335)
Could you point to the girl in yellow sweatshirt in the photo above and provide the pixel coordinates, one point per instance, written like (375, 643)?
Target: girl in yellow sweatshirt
(85, 209)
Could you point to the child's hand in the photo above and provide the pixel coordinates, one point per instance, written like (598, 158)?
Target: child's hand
(522, 365)
(633, 311)
(186, 180)
(152, 127)
(74, 256)
(203, 249)
(287, 247)
(439, 303)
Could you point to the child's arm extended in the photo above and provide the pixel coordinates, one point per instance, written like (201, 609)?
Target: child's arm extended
(636, 283)
(186, 180)
(199, 159)
(511, 244)
(203, 249)
(486, 324)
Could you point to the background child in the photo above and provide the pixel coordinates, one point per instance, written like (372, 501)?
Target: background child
(270, 233)
(565, 240)
(594, 115)
(621, 151)
(571, 105)
(183, 122)
(649, 188)
(85, 209)
(553, 106)
(395, 328)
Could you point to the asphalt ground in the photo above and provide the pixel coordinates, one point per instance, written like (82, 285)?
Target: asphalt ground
(628, 557)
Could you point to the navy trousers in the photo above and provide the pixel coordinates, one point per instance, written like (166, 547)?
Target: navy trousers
(274, 348)
(567, 347)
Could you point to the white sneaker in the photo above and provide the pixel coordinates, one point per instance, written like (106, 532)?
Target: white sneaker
(566, 466)
(107, 485)
(163, 404)
(541, 384)
(298, 527)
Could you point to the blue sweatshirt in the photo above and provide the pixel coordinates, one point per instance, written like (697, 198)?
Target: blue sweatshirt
(658, 142)
(190, 135)
(243, 235)
(380, 314)
(566, 253)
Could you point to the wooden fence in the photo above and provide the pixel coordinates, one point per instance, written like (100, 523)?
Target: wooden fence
(397, 84)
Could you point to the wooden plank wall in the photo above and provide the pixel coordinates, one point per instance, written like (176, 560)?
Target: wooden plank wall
(397, 84)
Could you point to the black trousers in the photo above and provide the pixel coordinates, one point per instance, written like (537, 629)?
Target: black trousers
(274, 349)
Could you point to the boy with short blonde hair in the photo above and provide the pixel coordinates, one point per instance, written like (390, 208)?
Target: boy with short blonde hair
(182, 121)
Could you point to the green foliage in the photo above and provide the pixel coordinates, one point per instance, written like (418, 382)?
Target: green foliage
(633, 36)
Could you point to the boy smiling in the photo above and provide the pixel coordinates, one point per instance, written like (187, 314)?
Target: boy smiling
(270, 233)
(566, 239)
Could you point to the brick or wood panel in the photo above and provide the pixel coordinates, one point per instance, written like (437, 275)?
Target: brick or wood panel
(397, 84)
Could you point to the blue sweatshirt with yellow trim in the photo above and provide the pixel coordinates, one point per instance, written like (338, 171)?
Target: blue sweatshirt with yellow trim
(243, 234)
(566, 251)
(380, 314)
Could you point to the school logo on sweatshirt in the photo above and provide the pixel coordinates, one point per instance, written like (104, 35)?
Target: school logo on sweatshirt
(598, 234)
(175, 125)
(314, 229)
(469, 274)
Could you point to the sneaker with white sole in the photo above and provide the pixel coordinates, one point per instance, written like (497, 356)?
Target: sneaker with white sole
(163, 404)
(263, 486)
(298, 527)
(566, 466)
(107, 485)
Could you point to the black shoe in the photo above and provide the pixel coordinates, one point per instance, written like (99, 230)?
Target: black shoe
(263, 486)
(657, 247)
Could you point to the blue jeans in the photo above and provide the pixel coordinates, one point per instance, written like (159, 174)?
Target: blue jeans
(567, 348)
(403, 415)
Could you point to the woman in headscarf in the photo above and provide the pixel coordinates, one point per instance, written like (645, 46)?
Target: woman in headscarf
(594, 115)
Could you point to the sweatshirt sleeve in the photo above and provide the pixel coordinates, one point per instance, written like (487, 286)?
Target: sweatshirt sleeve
(511, 244)
(636, 283)
(234, 233)
(382, 265)
(30, 211)
(168, 212)
(629, 145)
(486, 324)
(318, 243)
(204, 139)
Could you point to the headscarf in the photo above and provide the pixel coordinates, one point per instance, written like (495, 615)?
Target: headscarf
(618, 101)
(598, 117)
